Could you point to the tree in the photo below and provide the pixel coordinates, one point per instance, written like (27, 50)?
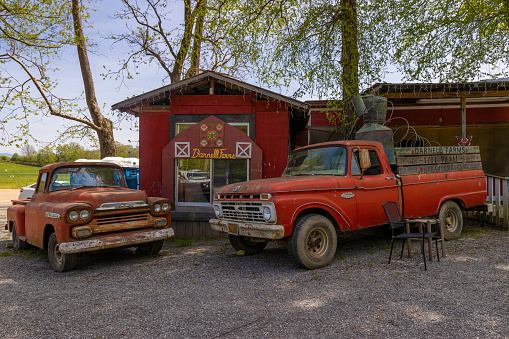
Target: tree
(326, 48)
(69, 152)
(154, 38)
(32, 35)
(452, 40)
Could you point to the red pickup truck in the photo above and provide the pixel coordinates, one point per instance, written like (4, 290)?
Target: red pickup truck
(341, 186)
(80, 207)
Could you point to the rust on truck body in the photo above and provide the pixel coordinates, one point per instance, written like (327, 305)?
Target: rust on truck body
(333, 185)
(88, 207)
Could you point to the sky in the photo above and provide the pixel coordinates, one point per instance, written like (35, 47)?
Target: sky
(108, 91)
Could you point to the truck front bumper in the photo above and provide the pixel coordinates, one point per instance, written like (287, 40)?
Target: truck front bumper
(255, 230)
(117, 240)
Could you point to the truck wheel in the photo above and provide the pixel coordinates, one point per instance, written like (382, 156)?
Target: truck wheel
(17, 243)
(313, 242)
(60, 262)
(151, 248)
(246, 244)
(451, 216)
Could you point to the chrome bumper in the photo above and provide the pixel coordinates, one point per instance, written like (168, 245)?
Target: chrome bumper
(255, 230)
(117, 240)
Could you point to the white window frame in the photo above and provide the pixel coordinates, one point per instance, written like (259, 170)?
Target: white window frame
(211, 164)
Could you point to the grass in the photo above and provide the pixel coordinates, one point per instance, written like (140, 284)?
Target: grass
(16, 176)
(182, 242)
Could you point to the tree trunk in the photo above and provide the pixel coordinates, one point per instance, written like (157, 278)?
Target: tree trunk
(105, 126)
(349, 63)
(194, 69)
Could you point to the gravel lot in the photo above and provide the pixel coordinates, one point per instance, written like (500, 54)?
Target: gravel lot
(202, 289)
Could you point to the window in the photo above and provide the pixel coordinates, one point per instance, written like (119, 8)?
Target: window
(180, 127)
(375, 167)
(197, 179)
(317, 161)
(42, 183)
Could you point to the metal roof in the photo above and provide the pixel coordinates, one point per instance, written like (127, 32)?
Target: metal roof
(137, 101)
(488, 88)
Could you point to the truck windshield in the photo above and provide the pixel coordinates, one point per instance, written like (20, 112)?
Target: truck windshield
(329, 160)
(86, 176)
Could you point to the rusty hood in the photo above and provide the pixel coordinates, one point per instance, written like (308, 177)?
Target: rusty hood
(98, 196)
(283, 184)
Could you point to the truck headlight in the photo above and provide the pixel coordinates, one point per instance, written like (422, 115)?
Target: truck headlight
(166, 206)
(157, 208)
(217, 210)
(84, 214)
(267, 213)
(74, 215)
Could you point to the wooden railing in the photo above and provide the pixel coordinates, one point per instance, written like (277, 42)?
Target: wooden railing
(497, 203)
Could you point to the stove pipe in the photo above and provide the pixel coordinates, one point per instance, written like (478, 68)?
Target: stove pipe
(373, 109)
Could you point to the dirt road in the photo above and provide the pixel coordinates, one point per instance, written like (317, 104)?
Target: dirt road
(6, 196)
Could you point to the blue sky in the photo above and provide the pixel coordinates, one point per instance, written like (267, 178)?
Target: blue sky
(108, 91)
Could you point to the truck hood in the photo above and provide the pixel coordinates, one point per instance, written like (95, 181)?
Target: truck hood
(283, 184)
(98, 196)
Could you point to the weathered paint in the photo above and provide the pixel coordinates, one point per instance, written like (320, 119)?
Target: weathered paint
(354, 201)
(117, 240)
(132, 225)
(255, 230)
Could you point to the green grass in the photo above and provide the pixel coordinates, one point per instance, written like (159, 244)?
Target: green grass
(16, 176)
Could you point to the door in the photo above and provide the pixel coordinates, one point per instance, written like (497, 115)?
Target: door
(33, 218)
(372, 189)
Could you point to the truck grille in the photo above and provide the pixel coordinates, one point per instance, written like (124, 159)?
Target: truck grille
(113, 219)
(245, 211)
(114, 223)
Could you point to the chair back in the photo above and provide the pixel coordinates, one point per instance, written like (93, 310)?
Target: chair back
(391, 210)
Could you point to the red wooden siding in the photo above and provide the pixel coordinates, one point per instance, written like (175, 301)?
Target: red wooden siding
(154, 135)
(211, 104)
(449, 116)
(272, 134)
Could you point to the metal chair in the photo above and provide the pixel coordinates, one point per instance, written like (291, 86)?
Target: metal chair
(396, 221)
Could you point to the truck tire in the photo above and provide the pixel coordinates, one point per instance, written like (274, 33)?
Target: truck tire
(151, 248)
(17, 243)
(240, 243)
(60, 262)
(313, 242)
(452, 217)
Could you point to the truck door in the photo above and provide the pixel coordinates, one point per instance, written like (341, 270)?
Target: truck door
(33, 231)
(372, 189)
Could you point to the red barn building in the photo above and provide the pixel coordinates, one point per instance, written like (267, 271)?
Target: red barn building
(208, 131)
(211, 130)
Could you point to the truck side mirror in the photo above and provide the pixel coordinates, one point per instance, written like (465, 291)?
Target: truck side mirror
(365, 162)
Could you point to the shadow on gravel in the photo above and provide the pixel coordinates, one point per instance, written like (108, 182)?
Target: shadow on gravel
(372, 246)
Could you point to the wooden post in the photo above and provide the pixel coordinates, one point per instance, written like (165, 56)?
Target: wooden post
(211, 87)
(463, 117)
(505, 206)
(497, 199)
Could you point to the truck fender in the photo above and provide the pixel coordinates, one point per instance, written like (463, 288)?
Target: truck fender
(16, 216)
(338, 216)
(445, 199)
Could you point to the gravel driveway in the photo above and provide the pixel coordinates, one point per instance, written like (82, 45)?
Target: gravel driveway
(202, 289)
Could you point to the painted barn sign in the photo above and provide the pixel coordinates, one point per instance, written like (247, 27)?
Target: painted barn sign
(420, 160)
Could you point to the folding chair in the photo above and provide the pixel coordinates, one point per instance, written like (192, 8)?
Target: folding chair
(396, 222)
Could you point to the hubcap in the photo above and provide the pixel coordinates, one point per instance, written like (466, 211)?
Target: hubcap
(58, 255)
(317, 243)
(451, 221)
